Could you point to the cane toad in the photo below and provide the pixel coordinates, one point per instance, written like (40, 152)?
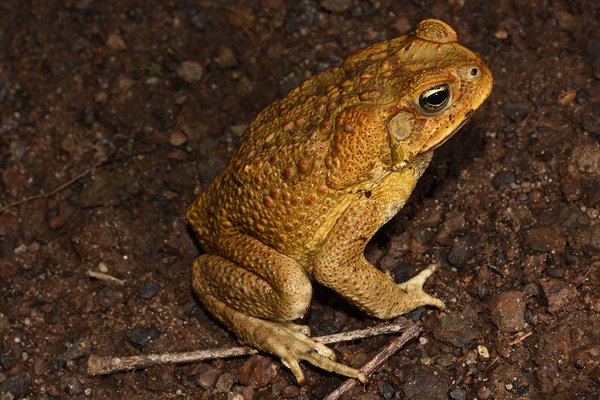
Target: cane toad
(319, 172)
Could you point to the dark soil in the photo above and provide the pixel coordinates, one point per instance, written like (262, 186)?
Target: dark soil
(144, 101)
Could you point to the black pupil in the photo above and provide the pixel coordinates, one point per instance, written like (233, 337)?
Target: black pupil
(474, 72)
(437, 98)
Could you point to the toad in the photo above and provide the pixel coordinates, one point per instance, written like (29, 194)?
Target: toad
(318, 173)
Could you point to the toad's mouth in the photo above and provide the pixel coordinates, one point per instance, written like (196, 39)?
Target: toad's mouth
(440, 138)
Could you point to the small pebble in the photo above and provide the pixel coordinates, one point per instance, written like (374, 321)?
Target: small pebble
(115, 42)
(242, 17)
(200, 21)
(454, 221)
(224, 383)
(458, 394)
(566, 21)
(190, 71)
(567, 97)
(207, 377)
(257, 371)
(72, 386)
(6, 361)
(515, 111)
(558, 294)
(507, 310)
(109, 297)
(12, 178)
(178, 138)
(445, 360)
(177, 154)
(124, 84)
(239, 130)
(503, 178)
(555, 272)
(148, 290)
(39, 365)
(387, 391)
(571, 190)
(247, 392)
(337, 6)
(501, 34)
(484, 393)
(160, 379)
(18, 148)
(583, 96)
(78, 350)
(7, 270)
(585, 161)
(587, 357)
(140, 337)
(290, 392)
(543, 239)
(58, 215)
(16, 386)
(455, 329)
(4, 324)
(461, 251)
(402, 25)
(226, 58)
(101, 97)
(102, 267)
(483, 352)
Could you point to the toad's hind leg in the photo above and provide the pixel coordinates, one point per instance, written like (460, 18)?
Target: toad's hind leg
(255, 292)
(279, 339)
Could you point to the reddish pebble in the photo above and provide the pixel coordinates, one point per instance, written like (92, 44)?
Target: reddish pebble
(258, 371)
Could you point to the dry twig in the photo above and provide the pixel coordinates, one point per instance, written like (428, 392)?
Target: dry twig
(587, 273)
(53, 191)
(74, 179)
(520, 337)
(379, 359)
(105, 277)
(108, 365)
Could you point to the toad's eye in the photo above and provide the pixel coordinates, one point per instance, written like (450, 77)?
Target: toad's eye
(435, 98)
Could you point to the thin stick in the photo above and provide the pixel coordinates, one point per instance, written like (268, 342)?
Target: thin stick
(105, 277)
(520, 337)
(53, 191)
(584, 277)
(376, 362)
(107, 365)
(71, 181)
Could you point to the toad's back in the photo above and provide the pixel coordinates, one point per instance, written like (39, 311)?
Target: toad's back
(274, 187)
(292, 176)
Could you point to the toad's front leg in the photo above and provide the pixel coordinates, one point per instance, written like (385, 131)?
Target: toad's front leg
(341, 266)
(255, 292)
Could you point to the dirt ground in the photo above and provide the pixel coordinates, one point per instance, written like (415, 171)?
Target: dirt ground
(121, 112)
